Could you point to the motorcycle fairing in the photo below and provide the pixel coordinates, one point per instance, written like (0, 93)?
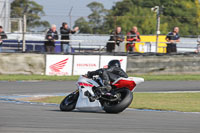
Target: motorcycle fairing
(83, 103)
(130, 82)
(84, 84)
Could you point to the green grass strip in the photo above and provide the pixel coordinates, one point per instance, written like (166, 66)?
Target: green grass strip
(184, 102)
(36, 77)
(64, 78)
(170, 77)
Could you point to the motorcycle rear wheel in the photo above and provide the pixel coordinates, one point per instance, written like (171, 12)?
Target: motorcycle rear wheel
(69, 102)
(126, 97)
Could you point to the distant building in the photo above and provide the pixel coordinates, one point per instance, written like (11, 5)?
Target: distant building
(5, 14)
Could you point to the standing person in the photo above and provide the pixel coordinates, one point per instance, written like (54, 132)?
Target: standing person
(65, 31)
(51, 36)
(132, 36)
(115, 39)
(172, 38)
(2, 36)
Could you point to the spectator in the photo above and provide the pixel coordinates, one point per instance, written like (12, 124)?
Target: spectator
(115, 39)
(65, 31)
(172, 38)
(198, 45)
(51, 36)
(132, 37)
(2, 36)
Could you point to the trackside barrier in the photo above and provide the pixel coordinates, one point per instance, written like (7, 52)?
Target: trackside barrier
(84, 63)
(137, 63)
(68, 65)
(147, 44)
(59, 65)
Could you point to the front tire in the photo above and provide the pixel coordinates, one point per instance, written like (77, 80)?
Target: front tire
(69, 102)
(119, 105)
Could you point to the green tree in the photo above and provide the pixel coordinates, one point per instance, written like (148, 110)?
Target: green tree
(83, 25)
(95, 21)
(182, 13)
(34, 11)
(128, 13)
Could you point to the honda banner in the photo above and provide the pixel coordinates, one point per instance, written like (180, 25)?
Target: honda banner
(106, 59)
(85, 63)
(59, 65)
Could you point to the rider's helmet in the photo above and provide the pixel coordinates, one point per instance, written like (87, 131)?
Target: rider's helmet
(115, 63)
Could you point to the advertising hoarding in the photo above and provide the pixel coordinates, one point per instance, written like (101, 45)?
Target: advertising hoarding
(85, 63)
(59, 65)
(106, 59)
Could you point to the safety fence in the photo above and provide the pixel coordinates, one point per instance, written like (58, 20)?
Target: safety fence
(97, 43)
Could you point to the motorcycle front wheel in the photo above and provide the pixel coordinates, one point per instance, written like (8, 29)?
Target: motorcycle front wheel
(69, 102)
(125, 99)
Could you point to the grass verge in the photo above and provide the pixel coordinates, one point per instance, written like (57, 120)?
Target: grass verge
(184, 102)
(36, 77)
(170, 77)
(64, 78)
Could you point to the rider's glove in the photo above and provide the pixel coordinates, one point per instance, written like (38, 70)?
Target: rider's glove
(89, 74)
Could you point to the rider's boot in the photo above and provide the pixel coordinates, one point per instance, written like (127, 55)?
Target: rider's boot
(105, 90)
(114, 94)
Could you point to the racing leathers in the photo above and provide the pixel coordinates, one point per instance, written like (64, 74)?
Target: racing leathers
(131, 38)
(108, 75)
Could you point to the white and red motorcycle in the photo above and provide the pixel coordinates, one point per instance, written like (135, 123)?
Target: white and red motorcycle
(89, 98)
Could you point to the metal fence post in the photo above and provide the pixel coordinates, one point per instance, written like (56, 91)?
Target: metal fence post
(79, 45)
(24, 32)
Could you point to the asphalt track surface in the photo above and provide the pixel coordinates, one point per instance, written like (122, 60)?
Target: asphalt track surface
(28, 118)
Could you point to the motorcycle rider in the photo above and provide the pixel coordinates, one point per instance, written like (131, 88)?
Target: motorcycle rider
(110, 74)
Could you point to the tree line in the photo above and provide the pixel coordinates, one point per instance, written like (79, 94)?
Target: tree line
(126, 13)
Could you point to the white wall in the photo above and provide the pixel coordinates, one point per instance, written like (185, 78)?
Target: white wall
(5, 14)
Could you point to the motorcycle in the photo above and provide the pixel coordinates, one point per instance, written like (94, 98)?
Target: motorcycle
(89, 98)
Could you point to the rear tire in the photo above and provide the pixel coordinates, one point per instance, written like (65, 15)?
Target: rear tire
(118, 106)
(69, 102)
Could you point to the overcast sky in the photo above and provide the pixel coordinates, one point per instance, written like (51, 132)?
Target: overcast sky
(57, 11)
